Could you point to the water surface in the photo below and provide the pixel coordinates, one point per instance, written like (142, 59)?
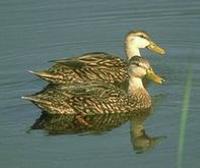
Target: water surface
(34, 32)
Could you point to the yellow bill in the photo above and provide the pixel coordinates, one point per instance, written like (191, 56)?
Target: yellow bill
(156, 48)
(151, 75)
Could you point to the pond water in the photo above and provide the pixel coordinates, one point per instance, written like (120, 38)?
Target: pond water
(34, 32)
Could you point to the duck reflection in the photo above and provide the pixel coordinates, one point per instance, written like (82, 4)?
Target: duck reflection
(140, 140)
(98, 124)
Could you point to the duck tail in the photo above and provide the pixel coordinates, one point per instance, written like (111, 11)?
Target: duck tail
(45, 75)
(30, 98)
(36, 100)
(41, 102)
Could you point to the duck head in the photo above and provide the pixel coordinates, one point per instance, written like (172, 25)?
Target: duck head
(138, 69)
(135, 40)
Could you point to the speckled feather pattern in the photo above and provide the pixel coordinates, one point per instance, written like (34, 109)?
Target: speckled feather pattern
(96, 67)
(104, 101)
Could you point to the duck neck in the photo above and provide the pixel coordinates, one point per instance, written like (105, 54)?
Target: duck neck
(137, 91)
(135, 83)
(131, 50)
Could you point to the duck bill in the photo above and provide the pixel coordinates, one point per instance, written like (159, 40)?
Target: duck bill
(156, 48)
(151, 75)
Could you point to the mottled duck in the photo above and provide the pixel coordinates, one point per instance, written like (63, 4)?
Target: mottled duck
(99, 66)
(100, 99)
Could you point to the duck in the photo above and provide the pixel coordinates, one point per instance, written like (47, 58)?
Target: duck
(100, 98)
(99, 66)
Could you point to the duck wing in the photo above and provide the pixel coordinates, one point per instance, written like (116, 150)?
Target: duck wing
(90, 67)
(96, 100)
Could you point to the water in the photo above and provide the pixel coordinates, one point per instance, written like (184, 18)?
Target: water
(34, 32)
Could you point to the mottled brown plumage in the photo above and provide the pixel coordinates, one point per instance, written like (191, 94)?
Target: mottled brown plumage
(98, 66)
(99, 98)
(90, 67)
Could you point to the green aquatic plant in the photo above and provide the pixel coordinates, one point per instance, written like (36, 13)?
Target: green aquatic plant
(184, 117)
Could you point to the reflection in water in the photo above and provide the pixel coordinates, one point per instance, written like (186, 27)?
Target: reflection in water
(97, 124)
(140, 140)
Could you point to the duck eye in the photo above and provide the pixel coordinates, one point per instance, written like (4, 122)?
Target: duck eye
(150, 69)
(137, 63)
(142, 36)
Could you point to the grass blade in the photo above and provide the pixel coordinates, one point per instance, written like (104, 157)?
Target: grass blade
(184, 116)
